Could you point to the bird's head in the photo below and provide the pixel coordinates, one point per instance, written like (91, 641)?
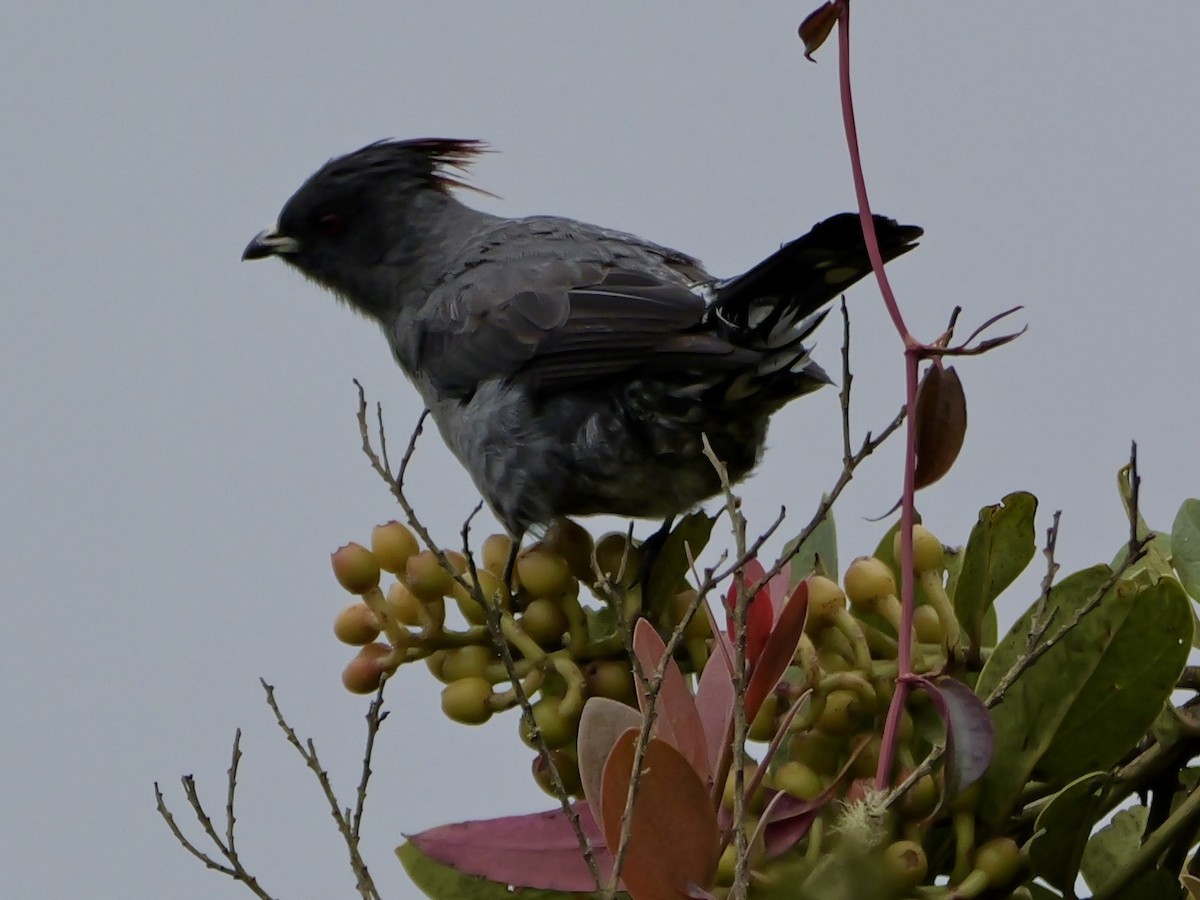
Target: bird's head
(359, 223)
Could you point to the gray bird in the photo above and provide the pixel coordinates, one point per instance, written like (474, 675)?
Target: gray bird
(571, 369)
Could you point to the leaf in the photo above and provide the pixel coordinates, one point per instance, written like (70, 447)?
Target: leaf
(670, 567)
(970, 737)
(676, 720)
(940, 423)
(787, 819)
(714, 702)
(817, 26)
(778, 650)
(1063, 828)
(820, 549)
(673, 837)
(1089, 699)
(1001, 545)
(537, 851)
(443, 882)
(1185, 546)
(1113, 846)
(760, 612)
(603, 721)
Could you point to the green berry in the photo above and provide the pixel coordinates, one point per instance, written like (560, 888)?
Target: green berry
(468, 701)
(543, 575)
(868, 580)
(356, 625)
(392, 545)
(799, 780)
(425, 577)
(545, 622)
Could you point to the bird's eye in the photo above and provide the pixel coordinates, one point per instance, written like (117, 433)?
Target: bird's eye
(330, 224)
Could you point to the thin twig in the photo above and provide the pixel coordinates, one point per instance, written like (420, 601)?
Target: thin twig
(227, 848)
(308, 752)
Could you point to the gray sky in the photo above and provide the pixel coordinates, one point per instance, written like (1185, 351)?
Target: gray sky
(180, 454)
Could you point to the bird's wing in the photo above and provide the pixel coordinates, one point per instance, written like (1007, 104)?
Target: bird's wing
(557, 325)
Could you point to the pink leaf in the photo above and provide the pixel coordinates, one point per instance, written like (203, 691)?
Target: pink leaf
(602, 722)
(539, 850)
(714, 702)
(676, 721)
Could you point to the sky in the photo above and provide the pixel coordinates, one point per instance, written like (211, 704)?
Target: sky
(179, 448)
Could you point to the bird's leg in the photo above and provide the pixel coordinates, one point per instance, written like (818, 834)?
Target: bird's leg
(510, 567)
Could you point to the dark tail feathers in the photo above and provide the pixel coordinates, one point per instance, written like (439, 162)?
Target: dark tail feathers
(804, 275)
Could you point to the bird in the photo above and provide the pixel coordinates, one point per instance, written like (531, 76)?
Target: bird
(572, 369)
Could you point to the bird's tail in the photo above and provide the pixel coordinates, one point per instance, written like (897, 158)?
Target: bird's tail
(773, 307)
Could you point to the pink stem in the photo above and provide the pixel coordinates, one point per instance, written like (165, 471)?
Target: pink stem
(891, 728)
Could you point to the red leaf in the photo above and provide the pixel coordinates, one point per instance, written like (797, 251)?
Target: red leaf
(778, 650)
(760, 614)
(673, 837)
(539, 850)
(676, 721)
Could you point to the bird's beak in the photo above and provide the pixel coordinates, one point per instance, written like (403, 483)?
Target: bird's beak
(270, 243)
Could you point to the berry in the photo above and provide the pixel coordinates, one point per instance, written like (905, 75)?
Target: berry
(844, 713)
(356, 568)
(825, 599)
(491, 589)
(468, 700)
(572, 542)
(568, 771)
(614, 554)
(425, 577)
(610, 678)
(557, 730)
(363, 674)
(928, 625)
(545, 622)
(928, 551)
(496, 550)
(1000, 860)
(906, 863)
(799, 780)
(404, 605)
(356, 625)
(543, 575)
(466, 662)
(867, 580)
(392, 545)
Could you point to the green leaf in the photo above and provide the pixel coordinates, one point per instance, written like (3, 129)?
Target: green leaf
(1093, 695)
(670, 566)
(1157, 561)
(1063, 828)
(1000, 547)
(820, 548)
(1151, 567)
(1185, 546)
(1113, 846)
(444, 883)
